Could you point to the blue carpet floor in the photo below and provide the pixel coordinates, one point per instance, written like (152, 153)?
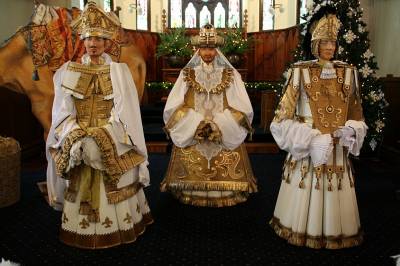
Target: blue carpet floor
(185, 235)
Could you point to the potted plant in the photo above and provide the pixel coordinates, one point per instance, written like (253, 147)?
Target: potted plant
(235, 45)
(175, 46)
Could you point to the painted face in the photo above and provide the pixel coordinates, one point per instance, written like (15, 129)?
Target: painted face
(95, 46)
(207, 54)
(327, 49)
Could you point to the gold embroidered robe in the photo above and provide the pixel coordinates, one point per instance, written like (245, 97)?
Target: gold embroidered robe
(104, 206)
(317, 206)
(224, 178)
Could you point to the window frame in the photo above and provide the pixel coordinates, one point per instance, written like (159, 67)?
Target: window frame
(211, 5)
(261, 18)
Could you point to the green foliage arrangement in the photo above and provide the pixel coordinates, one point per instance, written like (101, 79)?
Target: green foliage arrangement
(234, 42)
(174, 42)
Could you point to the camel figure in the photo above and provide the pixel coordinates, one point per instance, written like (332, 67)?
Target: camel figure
(25, 53)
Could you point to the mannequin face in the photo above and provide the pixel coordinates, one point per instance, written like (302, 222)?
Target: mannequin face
(95, 47)
(207, 54)
(327, 49)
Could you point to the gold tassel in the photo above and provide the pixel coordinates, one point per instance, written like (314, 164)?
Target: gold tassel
(318, 174)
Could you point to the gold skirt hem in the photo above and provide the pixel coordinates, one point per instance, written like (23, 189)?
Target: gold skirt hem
(316, 242)
(236, 198)
(98, 241)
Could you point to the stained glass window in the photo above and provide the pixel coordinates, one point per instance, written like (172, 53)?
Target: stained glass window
(176, 10)
(142, 14)
(205, 16)
(219, 16)
(196, 13)
(234, 13)
(190, 16)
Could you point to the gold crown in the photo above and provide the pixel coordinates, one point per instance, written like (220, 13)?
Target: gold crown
(207, 37)
(95, 22)
(326, 28)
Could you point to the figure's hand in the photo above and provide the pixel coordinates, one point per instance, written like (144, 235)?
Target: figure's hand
(75, 155)
(215, 135)
(346, 136)
(91, 153)
(321, 147)
(207, 130)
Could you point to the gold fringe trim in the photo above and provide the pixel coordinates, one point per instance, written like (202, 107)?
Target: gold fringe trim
(61, 157)
(207, 185)
(316, 242)
(190, 78)
(115, 165)
(124, 193)
(199, 201)
(106, 240)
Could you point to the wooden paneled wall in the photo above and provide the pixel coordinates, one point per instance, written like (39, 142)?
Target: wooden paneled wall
(271, 54)
(267, 60)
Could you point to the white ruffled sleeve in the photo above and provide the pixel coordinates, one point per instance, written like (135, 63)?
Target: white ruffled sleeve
(293, 137)
(360, 129)
(232, 134)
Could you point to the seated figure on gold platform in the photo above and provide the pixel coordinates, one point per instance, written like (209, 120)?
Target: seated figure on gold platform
(97, 157)
(319, 121)
(208, 115)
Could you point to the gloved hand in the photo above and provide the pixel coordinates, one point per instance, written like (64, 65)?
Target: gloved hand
(321, 147)
(75, 155)
(346, 136)
(91, 153)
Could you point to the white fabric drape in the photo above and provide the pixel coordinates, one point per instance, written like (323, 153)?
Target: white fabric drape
(232, 134)
(125, 124)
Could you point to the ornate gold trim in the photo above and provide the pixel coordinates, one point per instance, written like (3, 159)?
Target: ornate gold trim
(61, 156)
(317, 242)
(209, 185)
(179, 113)
(236, 198)
(124, 193)
(241, 119)
(190, 78)
(107, 240)
(89, 69)
(115, 165)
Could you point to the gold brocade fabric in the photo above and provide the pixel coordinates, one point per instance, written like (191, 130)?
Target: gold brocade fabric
(332, 102)
(228, 171)
(328, 100)
(93, 86)
(287, 105)
(93, 111)
(316, 242)
(190, 78)
(181, 111)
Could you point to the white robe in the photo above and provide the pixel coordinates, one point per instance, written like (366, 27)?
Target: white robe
(125, 124)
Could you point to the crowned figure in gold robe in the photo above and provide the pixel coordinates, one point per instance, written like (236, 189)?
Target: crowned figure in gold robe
(97, 157)
(319, 121)
(208, 115)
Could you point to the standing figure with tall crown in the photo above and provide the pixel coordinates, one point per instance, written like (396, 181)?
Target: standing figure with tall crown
(97, 157)
(319, 121)
(208, 115)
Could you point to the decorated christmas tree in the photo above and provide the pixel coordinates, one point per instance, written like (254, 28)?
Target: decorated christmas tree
(354, 48)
